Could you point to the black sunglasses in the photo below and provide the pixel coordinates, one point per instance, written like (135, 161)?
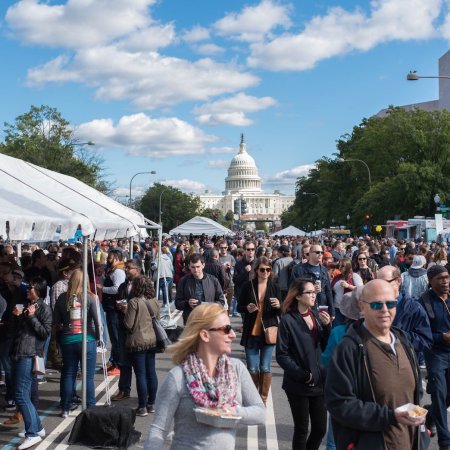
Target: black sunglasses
(376, 306)
(226, 329)
(265, 269)
(317, 252)
(250, 249)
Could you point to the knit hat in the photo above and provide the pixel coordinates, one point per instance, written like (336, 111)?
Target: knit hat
(435, 270)
(349, 306)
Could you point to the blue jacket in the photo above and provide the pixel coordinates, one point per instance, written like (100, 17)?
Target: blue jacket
(413, 320)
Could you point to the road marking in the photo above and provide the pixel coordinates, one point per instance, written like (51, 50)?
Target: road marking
(271, 427)
(252, 437)
(50, 438)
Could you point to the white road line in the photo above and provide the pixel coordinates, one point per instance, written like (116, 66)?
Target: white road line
(271, 427)
(50, 438)
(252, 437)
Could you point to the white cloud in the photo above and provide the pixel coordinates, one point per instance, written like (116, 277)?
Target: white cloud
(253, 22)
(149, 39)
(209, 49)
(186, 185)
(340, 32)
(78, 23)
(288, 177)
(196, 34)
(231, 110)
(142, 135)
(218, 164)
(148, 79)
(220, 150)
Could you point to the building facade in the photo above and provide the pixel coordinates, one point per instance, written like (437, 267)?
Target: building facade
(244, 183)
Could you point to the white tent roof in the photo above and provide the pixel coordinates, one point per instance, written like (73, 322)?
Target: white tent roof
(289, 231)
(201, 225)
(107, 217)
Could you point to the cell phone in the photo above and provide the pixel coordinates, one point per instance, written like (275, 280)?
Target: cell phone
(323, 308)
(121, 302)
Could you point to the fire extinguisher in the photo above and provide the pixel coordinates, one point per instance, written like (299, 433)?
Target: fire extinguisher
(75, 315)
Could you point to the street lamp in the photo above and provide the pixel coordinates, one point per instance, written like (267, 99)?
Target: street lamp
(310, 193)
(414, 76)
(160, 212)
(135, 175)
(342, 160)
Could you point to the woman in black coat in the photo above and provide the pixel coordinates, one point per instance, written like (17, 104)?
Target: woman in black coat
(302, 335)
(260, 305)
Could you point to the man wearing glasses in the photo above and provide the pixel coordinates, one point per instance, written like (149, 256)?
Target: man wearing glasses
(437, 358)
(372, 372)
(243, 267)
(318, 274)
(228, 263)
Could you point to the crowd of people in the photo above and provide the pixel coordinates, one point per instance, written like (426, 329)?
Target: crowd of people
(351, 323)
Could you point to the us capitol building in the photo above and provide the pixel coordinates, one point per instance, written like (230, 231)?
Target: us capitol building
(244, 183)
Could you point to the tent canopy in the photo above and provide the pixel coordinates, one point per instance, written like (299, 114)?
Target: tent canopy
(201, 225)
(71, 201)
(289, 231)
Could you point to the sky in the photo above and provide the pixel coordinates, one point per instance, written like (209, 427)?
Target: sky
(170, 85)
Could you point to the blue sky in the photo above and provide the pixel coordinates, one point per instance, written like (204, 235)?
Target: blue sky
(169, 85)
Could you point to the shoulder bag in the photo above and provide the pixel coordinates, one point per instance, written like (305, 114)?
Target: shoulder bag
(270, 333)
(162, 340)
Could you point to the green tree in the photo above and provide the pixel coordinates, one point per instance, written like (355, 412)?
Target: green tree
(176, 206)
(43, 137)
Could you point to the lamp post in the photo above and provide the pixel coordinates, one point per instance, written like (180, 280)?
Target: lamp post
(414, 76)
(160, 212)
(342, 160)
(135, 175)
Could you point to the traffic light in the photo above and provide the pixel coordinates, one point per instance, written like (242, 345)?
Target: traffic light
(237, 206)
(244, 207)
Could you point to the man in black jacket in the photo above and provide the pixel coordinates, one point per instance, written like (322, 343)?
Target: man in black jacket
(372, 372)
(197, 287)
(243, 268)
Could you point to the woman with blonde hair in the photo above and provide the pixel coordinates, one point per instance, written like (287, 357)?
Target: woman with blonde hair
(206, 377)
(67, 320)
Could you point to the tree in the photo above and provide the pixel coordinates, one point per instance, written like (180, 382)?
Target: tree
(408, 154)
(176, 206)
(43, 137)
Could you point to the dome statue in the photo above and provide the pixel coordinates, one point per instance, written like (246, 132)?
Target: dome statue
(243, 173)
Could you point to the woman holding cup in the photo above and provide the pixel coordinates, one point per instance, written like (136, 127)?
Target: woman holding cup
(260, 305)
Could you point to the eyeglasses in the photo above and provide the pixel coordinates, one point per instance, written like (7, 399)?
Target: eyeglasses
(250, 249)
(265, 269)
(310, 293)
(376, 306)
(317, 252)
(226, 329)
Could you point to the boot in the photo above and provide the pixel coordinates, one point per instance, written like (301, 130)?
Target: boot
(264, 385)
(255, 378)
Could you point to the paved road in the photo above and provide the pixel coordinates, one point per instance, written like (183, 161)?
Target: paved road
(275, 435)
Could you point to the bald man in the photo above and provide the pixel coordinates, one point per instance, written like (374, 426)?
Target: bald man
(411, 317)
(373, 371)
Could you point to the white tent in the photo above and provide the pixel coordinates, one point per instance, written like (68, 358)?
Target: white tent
(289, 231)
(201, 225)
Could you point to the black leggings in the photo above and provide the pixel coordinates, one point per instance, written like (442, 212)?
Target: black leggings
(304, 408)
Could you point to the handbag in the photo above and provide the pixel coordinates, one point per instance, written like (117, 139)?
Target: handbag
(38, 365)
(162, 340)
(270, 333)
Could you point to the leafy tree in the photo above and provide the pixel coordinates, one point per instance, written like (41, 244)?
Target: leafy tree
(176, 206)
(43, 137)
(408, 154)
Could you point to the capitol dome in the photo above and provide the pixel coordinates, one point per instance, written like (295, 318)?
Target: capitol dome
(243, 173)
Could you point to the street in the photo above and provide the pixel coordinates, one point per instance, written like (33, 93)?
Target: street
(275, 435)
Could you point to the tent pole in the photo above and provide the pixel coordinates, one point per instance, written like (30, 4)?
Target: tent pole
(84, 317)
(131, 253)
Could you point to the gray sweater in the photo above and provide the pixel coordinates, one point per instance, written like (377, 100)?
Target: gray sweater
(174, 403)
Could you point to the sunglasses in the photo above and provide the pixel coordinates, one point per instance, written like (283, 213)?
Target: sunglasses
(362, 259)
(226, 329)
(265, 269)
(376, 306)
(318, 252)
(250, 249)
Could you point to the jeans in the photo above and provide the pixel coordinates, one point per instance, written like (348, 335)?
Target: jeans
(258, 354)
(126, 372)
(146, 379)
(330, 437)
(71, 354)
(304, 408)
(233, 307)
(7, 367)
(23, 379)
(104, 326)
(112, 320)
(165, 285)
(438, 363)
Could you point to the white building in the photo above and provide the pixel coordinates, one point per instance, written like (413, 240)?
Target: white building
(243, 182)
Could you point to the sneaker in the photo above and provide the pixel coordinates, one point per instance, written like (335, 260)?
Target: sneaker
(77, 400)
(120, 396)
(73, 406)
(150, 409)
(42, 380)
(141, 412)
(65, 414)
(29, 442)
(39, 433)
(10, 406)
(114, 371)
(14, 420)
